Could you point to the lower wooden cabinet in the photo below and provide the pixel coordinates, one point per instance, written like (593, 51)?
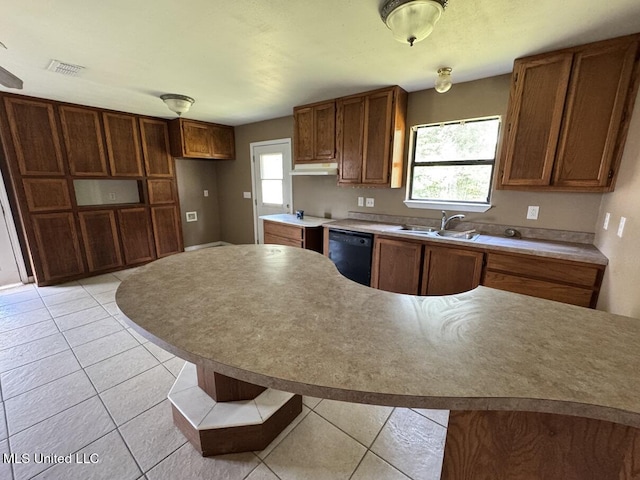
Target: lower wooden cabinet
(450, 270)
(562, 281)
(396, 265)
(57, 246)
(100, 239)
(278, 233)
(136, 235)
(166, 230)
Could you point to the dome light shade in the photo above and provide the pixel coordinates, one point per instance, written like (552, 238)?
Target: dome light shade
(412, 20)
(443, 82)
(177, 103)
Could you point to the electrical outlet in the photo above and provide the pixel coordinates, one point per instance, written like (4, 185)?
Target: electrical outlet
(605, 224)
(112, 196)
(206, 193)
(246, 194)
(532, 212)
(623, 220)
(361, 201)
(370, 202)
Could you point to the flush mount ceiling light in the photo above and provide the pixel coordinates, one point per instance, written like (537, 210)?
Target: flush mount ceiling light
(443, 82)
(412, 20)
(177, 103)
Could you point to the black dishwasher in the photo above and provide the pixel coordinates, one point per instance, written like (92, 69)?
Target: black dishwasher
(351, 252)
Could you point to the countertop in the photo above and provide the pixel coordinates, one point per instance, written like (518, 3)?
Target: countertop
(577, 252)
(284, 318)
(292, 220)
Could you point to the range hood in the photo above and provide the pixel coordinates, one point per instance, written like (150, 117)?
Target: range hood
(315, 169)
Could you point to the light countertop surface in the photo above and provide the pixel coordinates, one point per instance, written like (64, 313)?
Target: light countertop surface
(291, 219)
(577, 252)
(284, 318)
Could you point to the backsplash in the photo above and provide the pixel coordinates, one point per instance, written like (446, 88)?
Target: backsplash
(484, 228)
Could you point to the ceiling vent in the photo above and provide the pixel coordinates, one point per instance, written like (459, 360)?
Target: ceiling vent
(65, 68)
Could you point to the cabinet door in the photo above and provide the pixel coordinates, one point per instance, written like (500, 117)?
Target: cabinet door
(396, 266)
(166, 230)
(324, 132)
(593, 115)
(223, 142)
(303, 135)
(100, 238)
(136, 235)
(83, 141)
(44, 194)
(123, 144)
(58, 253)
(34, 132)
(196, 140)
(536, 106)
(161, 191)
(350, 139)
(450, 270)
(155, 148)
(377, 138)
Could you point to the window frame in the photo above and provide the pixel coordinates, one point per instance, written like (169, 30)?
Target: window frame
(465, 205)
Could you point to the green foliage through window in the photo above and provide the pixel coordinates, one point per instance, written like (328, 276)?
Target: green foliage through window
(454, 161)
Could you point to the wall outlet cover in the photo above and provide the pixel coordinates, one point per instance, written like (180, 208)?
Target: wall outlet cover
(370, 202)
(361, 201)
(246, 194)
(607, 217)
(192, 216)
(623, 220)
(532, 212)
(206, 193)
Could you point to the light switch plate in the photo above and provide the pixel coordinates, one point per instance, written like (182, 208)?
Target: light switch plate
(605, 224)
(532, 212)
(361, 201)
(206, 193)
(246, 194)
(370, 202)
(623, 220)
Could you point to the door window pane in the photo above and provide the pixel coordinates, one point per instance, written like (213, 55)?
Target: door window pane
(271, 166)
(272, 192)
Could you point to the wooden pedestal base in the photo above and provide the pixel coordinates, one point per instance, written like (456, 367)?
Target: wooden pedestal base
(522, 445)
(243, 417)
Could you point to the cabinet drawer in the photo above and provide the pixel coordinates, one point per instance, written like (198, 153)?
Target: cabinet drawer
(276, 240)
(539, 288)
(282, 230)
(544, 269)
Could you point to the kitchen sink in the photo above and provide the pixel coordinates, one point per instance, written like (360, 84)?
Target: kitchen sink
(470, 235)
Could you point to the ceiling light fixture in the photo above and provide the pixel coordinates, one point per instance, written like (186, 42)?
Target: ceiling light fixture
(412, 20)
(443, 82)
(177, 103)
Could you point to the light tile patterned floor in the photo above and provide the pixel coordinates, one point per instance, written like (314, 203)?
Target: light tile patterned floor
(75, 379)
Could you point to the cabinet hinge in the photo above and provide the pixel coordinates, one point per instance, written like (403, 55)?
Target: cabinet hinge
(515, 78)
(610, 176)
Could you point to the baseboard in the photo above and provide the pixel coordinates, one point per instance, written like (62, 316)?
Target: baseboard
(206, 245)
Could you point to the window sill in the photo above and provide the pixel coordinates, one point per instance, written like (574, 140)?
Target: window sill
(458, 207)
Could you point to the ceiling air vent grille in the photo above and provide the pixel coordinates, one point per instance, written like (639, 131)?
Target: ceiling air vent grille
(65, 68)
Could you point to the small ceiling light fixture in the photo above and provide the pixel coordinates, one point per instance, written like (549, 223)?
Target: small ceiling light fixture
(443, 82)
(412, 20)
(177, 103)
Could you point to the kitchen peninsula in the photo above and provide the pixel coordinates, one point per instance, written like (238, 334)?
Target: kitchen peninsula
(561, 378)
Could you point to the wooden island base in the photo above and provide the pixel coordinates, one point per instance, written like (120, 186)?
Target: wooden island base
(526, 445)
(220, 415)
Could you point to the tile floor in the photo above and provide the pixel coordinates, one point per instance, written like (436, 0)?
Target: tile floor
(75, 379)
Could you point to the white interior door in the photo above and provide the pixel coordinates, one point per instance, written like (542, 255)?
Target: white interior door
(271, 164)
(11, 270)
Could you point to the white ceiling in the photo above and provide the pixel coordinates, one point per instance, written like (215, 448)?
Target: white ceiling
(250, 60)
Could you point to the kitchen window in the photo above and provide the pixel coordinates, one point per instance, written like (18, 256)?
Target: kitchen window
(451, 164)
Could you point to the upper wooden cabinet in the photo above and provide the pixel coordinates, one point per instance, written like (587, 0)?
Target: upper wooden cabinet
(568, 117)
(123, 144)
(314, 134)
(155, 148)
(370, 138)
(192, 139)
(83, 141)
(34, 131)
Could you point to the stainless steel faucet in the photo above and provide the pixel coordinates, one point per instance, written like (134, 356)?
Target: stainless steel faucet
(445, 220)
